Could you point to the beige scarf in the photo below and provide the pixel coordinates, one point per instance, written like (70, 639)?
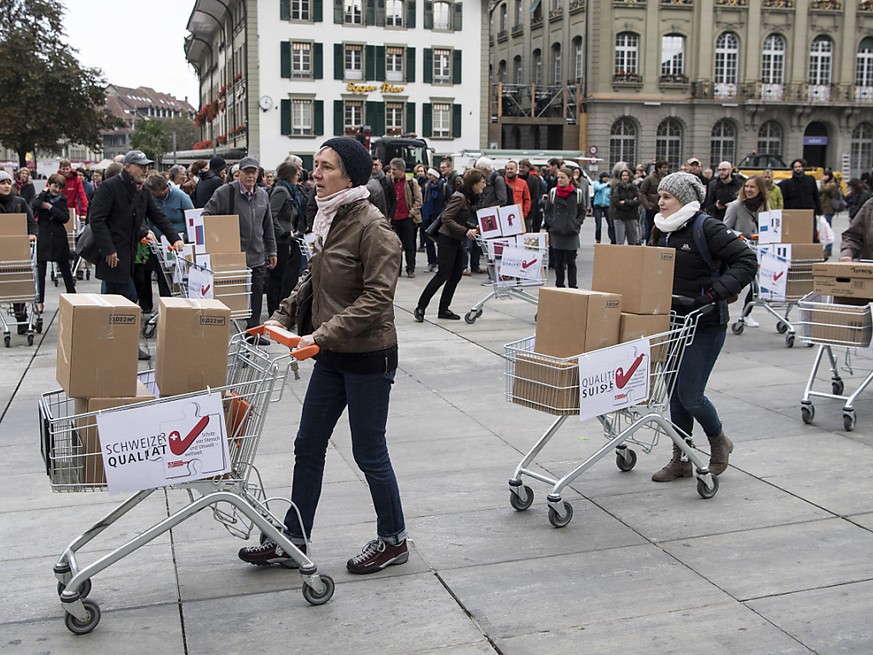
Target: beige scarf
(329, 206)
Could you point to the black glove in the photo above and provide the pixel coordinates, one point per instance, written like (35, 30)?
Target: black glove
(703, 300)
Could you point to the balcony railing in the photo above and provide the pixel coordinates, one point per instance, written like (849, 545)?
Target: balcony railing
(825, 5)
(687, 3)
(502, 35)
(556, 14)
(628, 3)
(518, 30)
(536, 20)
(627, 79)
(724, 90)
(673, 79)
(578, 5)
(731, 3)
(778, 4)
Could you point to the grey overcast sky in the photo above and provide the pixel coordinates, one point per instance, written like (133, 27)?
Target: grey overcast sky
(135, 43)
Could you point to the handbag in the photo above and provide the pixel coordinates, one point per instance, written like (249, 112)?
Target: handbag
(86, 246)
(433, 229)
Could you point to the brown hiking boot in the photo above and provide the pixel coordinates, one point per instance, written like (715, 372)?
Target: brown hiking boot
(675, 469)
(377, 555)
(720, 448)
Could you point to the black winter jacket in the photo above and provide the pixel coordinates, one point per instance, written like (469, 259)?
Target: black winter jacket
(52, 244)
(632, 197)
(723, 193)
(13, 204)
(800, 192)
(692, 276)
(209, 182)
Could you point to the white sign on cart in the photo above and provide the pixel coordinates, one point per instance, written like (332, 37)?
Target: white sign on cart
(523, 263)
(772, 275)
(614, 378)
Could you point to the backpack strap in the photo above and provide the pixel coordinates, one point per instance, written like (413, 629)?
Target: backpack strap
(702, 244)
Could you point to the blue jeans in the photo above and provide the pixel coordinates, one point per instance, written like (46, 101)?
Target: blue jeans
(688, 401)
(366, 396)
(126, 289)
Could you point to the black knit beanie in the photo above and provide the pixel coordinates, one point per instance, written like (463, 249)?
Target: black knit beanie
(356, 159)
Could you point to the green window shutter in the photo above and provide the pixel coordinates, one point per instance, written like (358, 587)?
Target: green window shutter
(285, 111)
(410, 117)
(318, 10)
(285, 58)
(410, 64)
(428, 66)
(338, 11)
(370, 12)
(458, 23)
(308, 161)
(338, 64)
(410, 14)
(319, 117)
(380, 12)
(375, 114)
(318, 60)
(380, 63)
(426, 120)
(456, 66)
(456, 121)
(428, 14)
(284, 9)
(338, 119)
(370, 63)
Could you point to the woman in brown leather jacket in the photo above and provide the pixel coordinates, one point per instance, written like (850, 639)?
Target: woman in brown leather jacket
(354, 274)
(450, 245)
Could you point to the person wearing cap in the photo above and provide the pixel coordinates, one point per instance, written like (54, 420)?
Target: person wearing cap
(74, 190)
(679, 199)
(11, 203)
(210, 181)
(251, 203)
(433, 199)
(353, 281)
(695, 168)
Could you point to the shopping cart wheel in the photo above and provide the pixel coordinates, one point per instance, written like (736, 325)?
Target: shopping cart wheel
(314, 598)
(837, 386)
(7, 340)
(148, 329)
(849, 420)
(627, 460)
(30, 339)
(706, 492)
(520, 503)
(471, 316)
(38, 326)
(78, 627)
(88, 274)
(558, 521)
(84, 588)
(782, 327)
(789, 340)
(807, 413)
(737, 327)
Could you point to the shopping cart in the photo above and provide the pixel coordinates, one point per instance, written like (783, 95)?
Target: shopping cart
(174, 275)
(551, 385)
(19, 289)
(504, 287)
(798, 284)
(845, 327)
(238, 501)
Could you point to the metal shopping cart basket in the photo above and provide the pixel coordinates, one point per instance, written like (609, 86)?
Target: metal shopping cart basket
(74, 462)
(798, 284)
(18, 293)
(510, 286)
(552, 385)
(845, 327)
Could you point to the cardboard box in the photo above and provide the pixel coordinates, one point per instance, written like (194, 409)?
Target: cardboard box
(786, 226)
(841, 325)
(98, 343)
(219, 262)
(16, 283)
(86, 428)
(221, 234)
(234, 291)
(847, 279)
(643, 276)
(546, 384)
(13, 225)
(806, 252)
(192, 345)
(15, 248)
(637, 326)
(575, 321)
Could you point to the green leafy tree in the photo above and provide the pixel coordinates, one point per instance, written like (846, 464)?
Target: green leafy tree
(153, 138)
(186, 134)
(46, 97)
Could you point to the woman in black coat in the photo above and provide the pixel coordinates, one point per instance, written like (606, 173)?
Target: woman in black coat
(706, 284)
(51, 213)
(564, 212)
(625, 200)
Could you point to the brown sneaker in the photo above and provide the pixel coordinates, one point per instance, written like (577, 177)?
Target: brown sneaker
(377, 555)
(268, 553)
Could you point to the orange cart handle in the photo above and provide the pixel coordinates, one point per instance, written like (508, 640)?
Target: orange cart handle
(286, 338)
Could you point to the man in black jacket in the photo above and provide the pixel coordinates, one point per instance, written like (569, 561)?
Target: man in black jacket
(209, 181)
(721, 191)
(801, 192)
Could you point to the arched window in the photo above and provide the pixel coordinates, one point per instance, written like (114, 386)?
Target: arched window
(442, 15)
(517, 70)
(862, 149)
(394, 13)
(727, 57)
(501, 71)
(503, 13)
(623, 141)
(668, 141)
(627, 46)
(557, 64)
(578, 59)
(770, 138)
(773, 60)
(672, 55)
(536, 73)
(723, 142)
(821, 55)
(864, 64)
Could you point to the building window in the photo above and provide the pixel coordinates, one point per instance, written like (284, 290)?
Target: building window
(394, 112)
(516, 14)
(442, 66)
(501, 71)
(864, 63)
(862, 149)
(557, 65)
(727, 54)
(301, 59)
(723, 142)
(301, 10)
(623, 142)
(668, 141)
(442, 15)
(353, 68)
(773, 60)
(627, 45)
(394, 13)
(820, 58)
(301, 117)
(394, 63)
(536, 73)
(503, 14)
(354, 12)
(672, 55)
(517, 70)
(353, 115)
(770, 139)
(442, 119)
(578, 59)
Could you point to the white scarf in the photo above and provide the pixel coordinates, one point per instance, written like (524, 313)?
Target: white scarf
(677, 220)
(329, 206)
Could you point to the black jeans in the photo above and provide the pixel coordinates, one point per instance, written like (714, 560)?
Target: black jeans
(406, 229)
(282, 279)
(257, 296)
(565, 259)
(429, 245)
(601, 212)
(66, 273)
(450, 256)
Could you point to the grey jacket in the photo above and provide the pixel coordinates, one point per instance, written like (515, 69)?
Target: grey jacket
(738, 218)
(494, 194)
(256, 234)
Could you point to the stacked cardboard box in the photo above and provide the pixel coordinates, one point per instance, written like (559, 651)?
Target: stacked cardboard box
(220, 253)
(789, 233)
(16, 275)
